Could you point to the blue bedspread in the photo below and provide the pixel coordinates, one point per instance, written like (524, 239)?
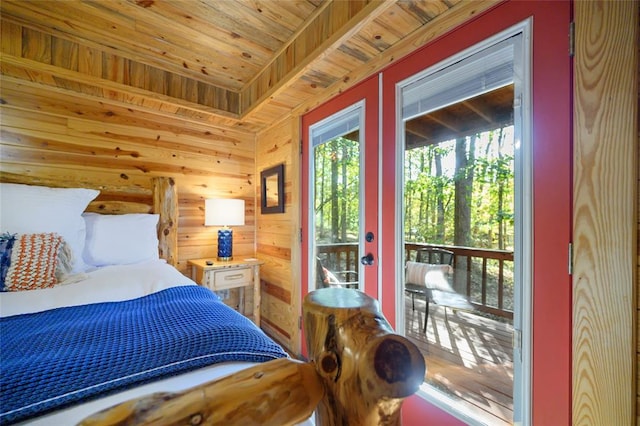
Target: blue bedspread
(56, 358)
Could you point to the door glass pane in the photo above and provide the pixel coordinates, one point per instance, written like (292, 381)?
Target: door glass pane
(336, 192)
(459, 230)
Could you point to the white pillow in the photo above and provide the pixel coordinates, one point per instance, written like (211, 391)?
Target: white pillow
(27, 209)
(429, 275)
(120, 239)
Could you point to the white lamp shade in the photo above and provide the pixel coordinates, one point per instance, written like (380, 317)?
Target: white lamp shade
(223, 212)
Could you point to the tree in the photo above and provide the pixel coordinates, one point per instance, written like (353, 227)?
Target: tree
(463, 179)
(439, 194)
(336, 183)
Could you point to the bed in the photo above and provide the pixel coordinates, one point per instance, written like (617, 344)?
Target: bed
(106, 312)
(119, 330)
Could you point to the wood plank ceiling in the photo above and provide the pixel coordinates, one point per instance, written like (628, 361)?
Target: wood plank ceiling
(239, 63)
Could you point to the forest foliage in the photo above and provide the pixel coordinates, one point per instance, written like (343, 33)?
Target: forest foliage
(457, 192)
(337, 191)
(461, 192)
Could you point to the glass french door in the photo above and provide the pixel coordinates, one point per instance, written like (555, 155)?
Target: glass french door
(340, 201)
(335, 221)
(465, 173)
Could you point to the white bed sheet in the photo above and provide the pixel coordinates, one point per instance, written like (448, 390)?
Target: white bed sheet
(112, 284)
(106, 284)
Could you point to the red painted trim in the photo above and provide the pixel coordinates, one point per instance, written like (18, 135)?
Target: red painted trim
(552, 135)
(415, 411)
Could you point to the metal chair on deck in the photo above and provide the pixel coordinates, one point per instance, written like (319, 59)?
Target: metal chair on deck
(416, 282)
(327, 278)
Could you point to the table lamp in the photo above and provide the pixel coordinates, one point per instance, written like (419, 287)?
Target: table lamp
(224, 212)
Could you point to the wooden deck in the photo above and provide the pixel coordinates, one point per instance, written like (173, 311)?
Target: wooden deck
(467, 356)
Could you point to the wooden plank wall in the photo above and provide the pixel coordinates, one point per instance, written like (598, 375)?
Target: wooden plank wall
(73, 136)
(278, 243)
(605, 213)
(128, 148)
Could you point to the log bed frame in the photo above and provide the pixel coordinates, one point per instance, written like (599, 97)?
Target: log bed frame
(358, 373)
(161, 197)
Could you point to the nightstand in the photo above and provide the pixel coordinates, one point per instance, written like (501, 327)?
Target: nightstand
(224, 275)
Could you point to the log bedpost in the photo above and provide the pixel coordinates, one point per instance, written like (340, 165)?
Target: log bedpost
(367, 370)
(165, 203)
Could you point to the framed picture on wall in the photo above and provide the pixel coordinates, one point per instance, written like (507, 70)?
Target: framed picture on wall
(272, 190)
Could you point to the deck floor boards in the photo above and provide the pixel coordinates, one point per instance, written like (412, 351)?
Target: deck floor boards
(468, 356)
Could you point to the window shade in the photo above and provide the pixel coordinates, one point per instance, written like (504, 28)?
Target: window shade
(479, 73)
(338, 125)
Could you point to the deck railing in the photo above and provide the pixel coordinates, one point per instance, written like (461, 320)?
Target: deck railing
(339, 256)
(484, 276)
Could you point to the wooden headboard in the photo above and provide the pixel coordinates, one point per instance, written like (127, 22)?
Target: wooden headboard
(159, 197)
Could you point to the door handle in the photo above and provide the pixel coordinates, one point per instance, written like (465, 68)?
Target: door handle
(367, 260)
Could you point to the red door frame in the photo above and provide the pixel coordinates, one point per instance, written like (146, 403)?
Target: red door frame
(367, 91)
(552, 168)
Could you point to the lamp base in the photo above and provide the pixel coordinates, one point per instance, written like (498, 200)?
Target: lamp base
(225, 244)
